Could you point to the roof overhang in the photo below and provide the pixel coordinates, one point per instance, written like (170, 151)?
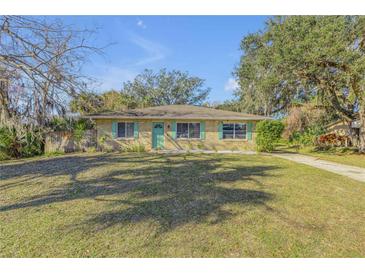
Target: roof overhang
(354, 124)
(106, 117)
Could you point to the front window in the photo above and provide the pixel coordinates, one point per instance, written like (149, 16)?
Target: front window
(188, 131)
(125, 130)
(234, 131)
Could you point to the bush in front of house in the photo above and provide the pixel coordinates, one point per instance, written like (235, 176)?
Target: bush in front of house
(307, 137)
(79, 130)
(134, 148)
(305, 123)
(268, 134)
(18, 141)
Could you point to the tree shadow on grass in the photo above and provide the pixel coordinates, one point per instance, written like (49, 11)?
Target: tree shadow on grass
(179, 209)
(171, 190)
(70, 165)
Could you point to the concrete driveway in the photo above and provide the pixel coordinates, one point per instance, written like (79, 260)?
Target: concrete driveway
(356, 173)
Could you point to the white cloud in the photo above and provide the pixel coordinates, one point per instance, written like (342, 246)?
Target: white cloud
(141, 24)
(113, 73)
(231, 85)
(112, 77)
(155, 51)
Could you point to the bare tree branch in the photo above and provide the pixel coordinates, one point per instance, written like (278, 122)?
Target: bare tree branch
(47, 58)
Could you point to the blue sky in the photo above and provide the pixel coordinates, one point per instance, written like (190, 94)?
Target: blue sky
(205, 46)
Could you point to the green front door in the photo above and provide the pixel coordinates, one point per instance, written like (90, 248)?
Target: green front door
(157, 135)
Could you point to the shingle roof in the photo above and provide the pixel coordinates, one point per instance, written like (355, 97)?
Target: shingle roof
(178, 112)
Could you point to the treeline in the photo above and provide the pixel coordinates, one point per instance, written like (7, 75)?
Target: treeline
(147, 89)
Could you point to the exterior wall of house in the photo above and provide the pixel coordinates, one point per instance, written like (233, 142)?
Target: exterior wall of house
(210, 142)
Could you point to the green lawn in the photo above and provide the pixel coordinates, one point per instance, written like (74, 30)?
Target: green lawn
(149, 205)
(353, 159)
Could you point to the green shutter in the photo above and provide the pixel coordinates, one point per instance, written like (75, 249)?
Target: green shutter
(220, 131)
(173, 130)
(136, 128)
(202, 130)
(114, 129)
(249, 131)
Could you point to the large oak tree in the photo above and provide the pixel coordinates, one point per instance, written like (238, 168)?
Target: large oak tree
(165, 88)
(306, 57)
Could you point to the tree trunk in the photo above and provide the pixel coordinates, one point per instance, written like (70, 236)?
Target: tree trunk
(4, 103)
(362, 131)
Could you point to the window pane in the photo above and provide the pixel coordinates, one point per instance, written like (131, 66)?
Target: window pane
(130, 130)
(240, 131)
(194, 130)
(228, 131)
(121, 130)
(182, 130)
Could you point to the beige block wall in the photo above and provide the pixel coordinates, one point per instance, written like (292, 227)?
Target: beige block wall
(64, 141)
(211, 141)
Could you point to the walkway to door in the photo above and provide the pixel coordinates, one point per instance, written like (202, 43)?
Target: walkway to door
(356, 173)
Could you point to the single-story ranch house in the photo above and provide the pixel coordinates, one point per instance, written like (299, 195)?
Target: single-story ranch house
(176, 127)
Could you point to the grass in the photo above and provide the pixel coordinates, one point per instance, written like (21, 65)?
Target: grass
(53, 154)
(347, 158)
(153, 205)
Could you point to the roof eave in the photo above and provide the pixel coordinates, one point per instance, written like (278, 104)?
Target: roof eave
(177, 118)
